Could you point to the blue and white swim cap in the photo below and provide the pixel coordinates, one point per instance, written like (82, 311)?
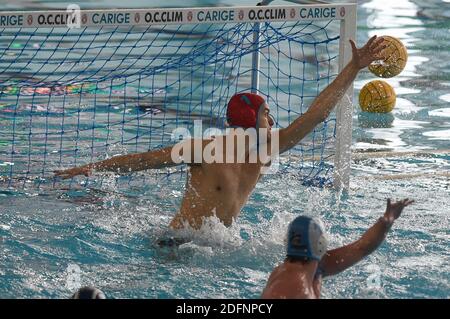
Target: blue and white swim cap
(306, 239)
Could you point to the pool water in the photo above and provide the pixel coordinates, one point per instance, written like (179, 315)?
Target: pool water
(111, 236)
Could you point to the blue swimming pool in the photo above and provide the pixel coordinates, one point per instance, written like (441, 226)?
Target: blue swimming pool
(109, 236)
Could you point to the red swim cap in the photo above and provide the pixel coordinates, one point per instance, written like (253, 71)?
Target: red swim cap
(243, 109)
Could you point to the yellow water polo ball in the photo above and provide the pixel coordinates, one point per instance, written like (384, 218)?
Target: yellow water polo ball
(394, 58)
(377, 97)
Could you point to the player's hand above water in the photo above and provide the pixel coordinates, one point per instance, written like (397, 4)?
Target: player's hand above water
(69, 173)
(393, 211)
(370, 52)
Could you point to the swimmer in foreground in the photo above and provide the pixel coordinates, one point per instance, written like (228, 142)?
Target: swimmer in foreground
(308, 260)
(223, 188)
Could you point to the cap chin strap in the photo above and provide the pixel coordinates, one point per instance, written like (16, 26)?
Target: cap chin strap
(273, 119)
(257, 129)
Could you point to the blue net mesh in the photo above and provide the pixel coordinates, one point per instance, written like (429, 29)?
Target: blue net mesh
(74, 96)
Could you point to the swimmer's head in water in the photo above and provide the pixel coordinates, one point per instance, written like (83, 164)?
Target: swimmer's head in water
(306, 239)
(88, 293)
(244, 109)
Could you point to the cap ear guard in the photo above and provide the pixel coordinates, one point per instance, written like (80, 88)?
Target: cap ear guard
(319, 245)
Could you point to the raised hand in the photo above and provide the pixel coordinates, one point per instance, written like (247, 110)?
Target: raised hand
(393, 211)
(370, 52)
(69, 173)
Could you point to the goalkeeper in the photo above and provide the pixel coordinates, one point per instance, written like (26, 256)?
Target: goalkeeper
(222, 189)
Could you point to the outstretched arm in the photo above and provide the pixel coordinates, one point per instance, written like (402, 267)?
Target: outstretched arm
(337, 260)
(184, 152)
(123, 163)
(330, 96)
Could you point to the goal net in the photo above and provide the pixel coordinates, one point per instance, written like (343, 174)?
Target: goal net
(78, 87)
